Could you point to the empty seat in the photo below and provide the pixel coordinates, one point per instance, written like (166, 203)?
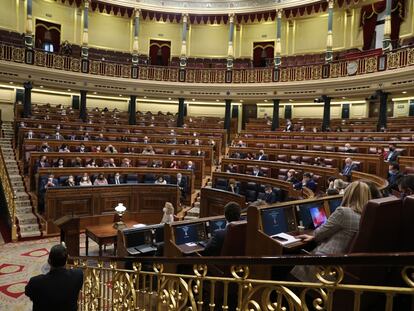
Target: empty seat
(330, 148)
(301, 147)
(317, 147)
(307, 160)
(282, 157)
(221, 183)
(295, 159)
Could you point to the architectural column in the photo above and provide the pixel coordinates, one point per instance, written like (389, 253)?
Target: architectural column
(180, 119)
(230, 50)
(28, 36)
(329, 40)
(275, 118)
(27, 104)
(278, 46)
(132, 110)
(183, 54)
(85, 37)
(82, 109)
(227, 116)
(382, 117)
(386, 42)
(326, 112)
(135, 46)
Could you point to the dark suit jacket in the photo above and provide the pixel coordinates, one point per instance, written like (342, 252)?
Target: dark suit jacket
(310, 184)
(111, 180)
(347, 170)
(235, 189)
(57, 290)
(268, 198)
(215, 244)
(263, 158)
(392, 156)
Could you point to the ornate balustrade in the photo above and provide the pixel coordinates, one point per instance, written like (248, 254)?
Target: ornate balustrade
(363, 65)
(230, 283)
(6, 184)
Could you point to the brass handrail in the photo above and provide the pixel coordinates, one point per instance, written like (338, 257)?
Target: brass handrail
(153, 283)
(9, 195)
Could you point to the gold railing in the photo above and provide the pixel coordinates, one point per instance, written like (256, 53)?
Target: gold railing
(147, 285)
(365, 64)
(9, 195)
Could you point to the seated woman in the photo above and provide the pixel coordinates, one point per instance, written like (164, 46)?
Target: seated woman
(168, 216)
(160, 181)
(70, 182)
(85, 180)
(334, 236)
(100, 181)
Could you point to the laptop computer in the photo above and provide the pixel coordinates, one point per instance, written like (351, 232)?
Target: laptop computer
(318, 216)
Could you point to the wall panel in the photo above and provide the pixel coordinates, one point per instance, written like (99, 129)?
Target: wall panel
(206, 110)
(110, 32)
(53, 99)
(256, 33)
(9, 14)
(209, 40)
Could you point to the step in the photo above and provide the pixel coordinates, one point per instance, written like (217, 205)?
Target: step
(30, 234)
(24, 219)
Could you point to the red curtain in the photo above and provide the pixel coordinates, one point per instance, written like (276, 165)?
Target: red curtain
(261, 49)
(369, 14)
(160, 52)
(46, 31)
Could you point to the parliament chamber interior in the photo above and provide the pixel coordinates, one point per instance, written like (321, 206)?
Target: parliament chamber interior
(208, 155)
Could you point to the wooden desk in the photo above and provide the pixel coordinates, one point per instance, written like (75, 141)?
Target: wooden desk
(103, 235)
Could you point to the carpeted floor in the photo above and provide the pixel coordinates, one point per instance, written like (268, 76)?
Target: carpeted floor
(20, 261)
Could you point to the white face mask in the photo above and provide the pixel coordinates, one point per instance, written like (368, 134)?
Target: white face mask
(84, 178)
(70, 179)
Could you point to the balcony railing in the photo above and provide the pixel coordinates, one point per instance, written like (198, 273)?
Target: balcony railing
(9, 195)
(364, 65)
(233, 283)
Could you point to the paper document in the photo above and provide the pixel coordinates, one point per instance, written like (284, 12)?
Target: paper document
(285, 239)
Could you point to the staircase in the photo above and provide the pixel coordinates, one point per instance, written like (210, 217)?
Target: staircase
(27, 222)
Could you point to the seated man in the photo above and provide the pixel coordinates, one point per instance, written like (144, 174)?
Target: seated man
(257, 171)
(348, 168)
(117, 179)
(291, 176)
(307, 181)
(269, 196)
(232, 212)
(348, 148)
(233, 186)
(406, 185)
(261, 156)
(394, 175)
(59, 289)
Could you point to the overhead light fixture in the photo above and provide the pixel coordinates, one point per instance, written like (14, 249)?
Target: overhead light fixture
(291, 100)
(404, 92)
(241, 100)
(11, 82)
(265, 100)
(94, 93)
(343, 97)
(120, 95)
(145, 97)
(169, 98)
(69, 90)
(41, 86)
(193, 99)
(217, 100)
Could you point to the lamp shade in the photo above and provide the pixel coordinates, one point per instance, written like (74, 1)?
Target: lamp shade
(120, 208)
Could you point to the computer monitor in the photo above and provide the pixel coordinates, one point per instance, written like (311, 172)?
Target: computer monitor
(304, 214)
(134, 237)
(190, 233)
(274, 221)
(318, 216)
(216, 224)
(333, 204)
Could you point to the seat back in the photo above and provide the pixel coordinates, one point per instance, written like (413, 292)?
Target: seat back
(379, 228)
(407, 228)
(235, 240)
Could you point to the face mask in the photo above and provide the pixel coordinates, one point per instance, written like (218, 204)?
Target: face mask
(50, 179)
(84, 178)
(60, 162)
(70, 179)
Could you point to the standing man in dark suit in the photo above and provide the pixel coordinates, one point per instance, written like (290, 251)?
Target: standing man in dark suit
(232, 212)
(393, 154)
(58, 289)
(348, 168)
(182, 184)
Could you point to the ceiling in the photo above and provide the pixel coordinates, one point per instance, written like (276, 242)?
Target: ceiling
(211, 6)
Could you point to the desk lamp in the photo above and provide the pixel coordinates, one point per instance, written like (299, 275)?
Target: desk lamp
(120, 210)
